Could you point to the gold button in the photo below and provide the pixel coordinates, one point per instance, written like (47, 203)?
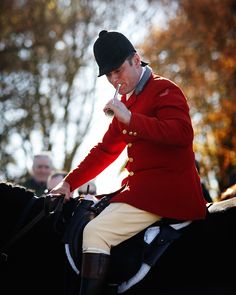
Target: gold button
(131, 173)
(129, 144)
(131, 159)
(135, 133)
(124, 131)
(130, 133)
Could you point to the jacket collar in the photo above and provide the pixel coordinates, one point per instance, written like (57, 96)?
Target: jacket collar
(143, 80)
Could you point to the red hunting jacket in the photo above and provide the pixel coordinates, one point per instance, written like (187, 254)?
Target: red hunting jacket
(162, 176)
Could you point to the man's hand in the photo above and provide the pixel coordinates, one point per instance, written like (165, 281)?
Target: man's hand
(63, 188)
(120, 110)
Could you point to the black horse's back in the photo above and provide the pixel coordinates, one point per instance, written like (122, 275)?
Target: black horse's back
(199, 262)
(193, 264)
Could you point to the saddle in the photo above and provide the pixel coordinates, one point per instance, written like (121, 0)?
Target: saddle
(146, 247)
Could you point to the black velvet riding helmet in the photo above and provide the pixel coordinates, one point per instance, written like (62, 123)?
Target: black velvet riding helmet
(110, 50)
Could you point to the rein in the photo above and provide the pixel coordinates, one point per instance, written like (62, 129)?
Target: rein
(50, 207)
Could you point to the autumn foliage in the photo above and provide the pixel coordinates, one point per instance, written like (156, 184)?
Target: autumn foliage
(197, 49)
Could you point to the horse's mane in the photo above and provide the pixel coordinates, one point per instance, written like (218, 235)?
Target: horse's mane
(14, 189)
(10, 185)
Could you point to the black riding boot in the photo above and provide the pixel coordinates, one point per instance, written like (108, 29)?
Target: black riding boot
(94, 273)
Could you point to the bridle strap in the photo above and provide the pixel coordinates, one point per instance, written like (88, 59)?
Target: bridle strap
(46, 211)
(22, 232)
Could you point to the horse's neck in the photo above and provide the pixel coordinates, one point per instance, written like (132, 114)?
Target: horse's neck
(15, 202)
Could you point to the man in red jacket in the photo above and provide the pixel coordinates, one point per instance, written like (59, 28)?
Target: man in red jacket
(152, 120)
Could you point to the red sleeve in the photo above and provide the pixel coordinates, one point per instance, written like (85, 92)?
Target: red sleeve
(99, 157)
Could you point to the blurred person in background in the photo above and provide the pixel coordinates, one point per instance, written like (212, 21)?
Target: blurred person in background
(42, 167)
(54, 178)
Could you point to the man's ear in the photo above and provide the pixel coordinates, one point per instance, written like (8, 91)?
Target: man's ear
(137, 59)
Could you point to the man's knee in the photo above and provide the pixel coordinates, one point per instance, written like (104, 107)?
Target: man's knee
(93, 240)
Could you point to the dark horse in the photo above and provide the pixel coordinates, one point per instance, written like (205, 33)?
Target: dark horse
(34, 263)
(199, 262)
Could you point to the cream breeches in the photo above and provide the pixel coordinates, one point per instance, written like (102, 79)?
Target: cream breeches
(115, 224)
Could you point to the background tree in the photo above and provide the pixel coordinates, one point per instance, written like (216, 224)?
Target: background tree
(197, 49)
(47, 79)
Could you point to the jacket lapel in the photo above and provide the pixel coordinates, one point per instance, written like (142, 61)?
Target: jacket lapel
(131, 100)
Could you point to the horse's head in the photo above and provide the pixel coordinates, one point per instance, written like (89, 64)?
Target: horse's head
(14, 199)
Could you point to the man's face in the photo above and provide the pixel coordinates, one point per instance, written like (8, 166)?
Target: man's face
(42, 168)
(127, 75)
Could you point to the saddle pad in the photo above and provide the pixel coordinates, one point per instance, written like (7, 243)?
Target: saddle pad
(151, 233)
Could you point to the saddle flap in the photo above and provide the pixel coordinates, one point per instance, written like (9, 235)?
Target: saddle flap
(160, 243)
